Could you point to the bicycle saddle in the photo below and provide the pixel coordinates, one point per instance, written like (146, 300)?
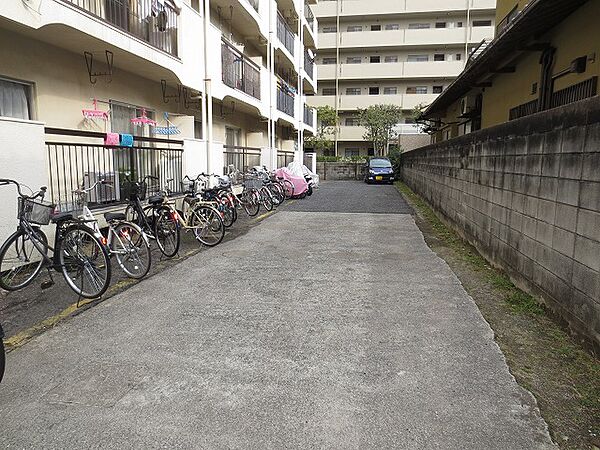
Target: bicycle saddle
(110, 216)
(155, 199)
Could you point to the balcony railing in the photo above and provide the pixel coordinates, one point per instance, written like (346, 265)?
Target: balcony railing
(309, 16)
(309, 64)
(285, 99)
(285, 33)
(239, 72)
(84, 162)
(149, 20)
(242, 158)
(308, 116)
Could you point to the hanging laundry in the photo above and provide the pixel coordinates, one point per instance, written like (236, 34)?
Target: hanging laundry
(112, 139)
(126, 140)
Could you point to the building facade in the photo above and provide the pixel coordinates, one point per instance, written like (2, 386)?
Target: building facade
(544, 55)
(392, 52)
(199, 83)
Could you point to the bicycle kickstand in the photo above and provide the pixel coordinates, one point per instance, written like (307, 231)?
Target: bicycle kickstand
(48, 283)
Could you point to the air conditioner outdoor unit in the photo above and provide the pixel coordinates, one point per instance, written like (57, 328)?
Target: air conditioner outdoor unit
(468, 104)
(103, 193)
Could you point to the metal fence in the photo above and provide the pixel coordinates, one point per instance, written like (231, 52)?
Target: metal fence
(241, 158)
(285, 100)
(308, 116)
(309, 64)
(239, 72)
(308, 14)
(149, 20)
(285, 34)
(80, 159)
(284, 158)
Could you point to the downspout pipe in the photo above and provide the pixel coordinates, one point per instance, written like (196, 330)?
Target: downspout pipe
(207, 129)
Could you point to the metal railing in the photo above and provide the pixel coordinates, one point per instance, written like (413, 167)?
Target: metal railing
(80, 158)
(242, 158)
(285, 99)
(309, 116)
(309, 16)
(151, 21)
(309, 64)
(285, 33)
(239, 72)
(284, 157)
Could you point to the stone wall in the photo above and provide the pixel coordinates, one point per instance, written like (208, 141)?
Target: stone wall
(341, 170)
(527, 194)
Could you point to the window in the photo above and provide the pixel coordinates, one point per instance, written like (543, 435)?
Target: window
(329, 60)
(417, 58)
(371, 152)
(328, 91)
(391, 59)
(353, 60)
(354, 28)
(352, 122)
(409, 121)
(352, 91)
(459, 24)
(440, 24)
(351, 151)
(392, 26)
(438, 89)
(197, 129)
(390, 90)
(439, 57)
(121, 115)
(375, 59)
(458, 57)
(418, 26)
(482, 23)
(331, 29)
(233, 137)
(534, 88)
(375, 27)
(416, 90)
(374, 90)
(15, 99)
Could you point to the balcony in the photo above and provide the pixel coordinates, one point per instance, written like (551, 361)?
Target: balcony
(152, 22)
(350, 133)
(353, 102)
(285, 34)
(309, 64)
(285, 98)
(438, 69)
(383, 7)
(239, 72)
(406, 37)
(309, 16)
(309, 116)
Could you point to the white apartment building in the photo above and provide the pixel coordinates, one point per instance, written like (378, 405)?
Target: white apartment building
(402, 52)
(198, 83)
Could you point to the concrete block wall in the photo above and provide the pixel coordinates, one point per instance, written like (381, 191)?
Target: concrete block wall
(341, 170)
(527, 194)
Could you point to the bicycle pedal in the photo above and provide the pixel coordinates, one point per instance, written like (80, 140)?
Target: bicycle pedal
(47, 284)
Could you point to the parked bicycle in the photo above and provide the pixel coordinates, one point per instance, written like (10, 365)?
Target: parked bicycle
(124, 240)
(2, 354)
(78, 254)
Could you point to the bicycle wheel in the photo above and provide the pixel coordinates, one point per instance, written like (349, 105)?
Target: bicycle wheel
(266, 199)
(166, 231)
(84, 261)
(208, 225)
(229, 214)
(2, 359)
(277, 192)
(21, 260)
(131, 249)
(250, 202)
(288, 189)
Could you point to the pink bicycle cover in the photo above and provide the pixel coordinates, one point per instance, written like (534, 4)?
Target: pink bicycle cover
(300, 184)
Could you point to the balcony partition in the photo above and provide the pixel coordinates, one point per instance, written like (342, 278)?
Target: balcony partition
(285, 34)
(239, 72)
(149, 20)
(308, 116)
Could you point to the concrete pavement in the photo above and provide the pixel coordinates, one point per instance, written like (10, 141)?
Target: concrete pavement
(313, 330)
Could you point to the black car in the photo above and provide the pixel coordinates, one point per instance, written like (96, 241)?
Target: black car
(379, 170)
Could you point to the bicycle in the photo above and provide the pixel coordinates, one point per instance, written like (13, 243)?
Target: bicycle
(2, 354)
(124, 240)
(240, 196)
(155, 219)
(78, 253)
(214, 196)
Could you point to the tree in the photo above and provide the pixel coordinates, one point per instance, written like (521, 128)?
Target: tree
(327, 121)
(380, 121)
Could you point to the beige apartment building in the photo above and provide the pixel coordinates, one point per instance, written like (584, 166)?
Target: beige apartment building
(402, 52)
(199, 84)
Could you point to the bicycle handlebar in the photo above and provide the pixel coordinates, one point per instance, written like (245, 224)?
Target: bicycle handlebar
(41, 193)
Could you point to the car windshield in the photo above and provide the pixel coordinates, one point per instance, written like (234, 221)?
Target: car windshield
(380, 163)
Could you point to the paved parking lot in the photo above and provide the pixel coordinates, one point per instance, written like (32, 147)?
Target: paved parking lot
(313, 330)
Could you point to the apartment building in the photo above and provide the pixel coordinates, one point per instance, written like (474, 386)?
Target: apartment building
(199, 84)
(402, 52)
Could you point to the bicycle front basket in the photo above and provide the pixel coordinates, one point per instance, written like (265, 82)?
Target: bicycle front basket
(34, 211)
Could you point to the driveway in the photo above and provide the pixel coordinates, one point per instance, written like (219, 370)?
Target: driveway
(319, 328)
